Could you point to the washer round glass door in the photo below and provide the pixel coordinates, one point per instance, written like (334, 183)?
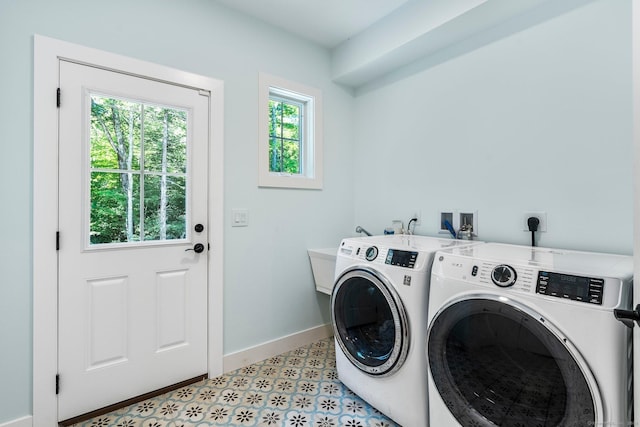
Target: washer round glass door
(494, 363)
(370, 323)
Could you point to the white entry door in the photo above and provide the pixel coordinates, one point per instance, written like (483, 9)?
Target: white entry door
(133, 237)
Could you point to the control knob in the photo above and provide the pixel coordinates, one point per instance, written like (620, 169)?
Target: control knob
(371, 253)
(503, 276)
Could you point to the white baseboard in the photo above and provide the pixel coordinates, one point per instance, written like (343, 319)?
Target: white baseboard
(269, 349)
(20, 422)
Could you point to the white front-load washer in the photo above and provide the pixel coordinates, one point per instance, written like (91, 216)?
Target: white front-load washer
(522, 336)
(378, 307)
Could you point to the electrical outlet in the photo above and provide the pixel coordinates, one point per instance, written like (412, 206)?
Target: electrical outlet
(542, 216)
(417, 214)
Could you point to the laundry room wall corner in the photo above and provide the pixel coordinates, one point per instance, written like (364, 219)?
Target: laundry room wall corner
(539, 120)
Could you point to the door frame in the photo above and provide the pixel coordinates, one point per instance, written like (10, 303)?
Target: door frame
(47, 54)
(635, 111)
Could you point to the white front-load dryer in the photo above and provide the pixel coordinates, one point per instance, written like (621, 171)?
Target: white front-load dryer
(378, 307)
(522, 336)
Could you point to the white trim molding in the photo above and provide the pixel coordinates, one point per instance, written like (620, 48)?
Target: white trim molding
(47, 55)
(269, 349)
(635, 83)
(311, 151)
(20, 422)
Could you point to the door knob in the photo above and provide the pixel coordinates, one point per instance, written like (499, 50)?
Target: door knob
(199, 228)
(628, 316)
(197, 248)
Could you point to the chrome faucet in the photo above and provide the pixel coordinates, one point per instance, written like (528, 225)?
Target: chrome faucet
(362, 230)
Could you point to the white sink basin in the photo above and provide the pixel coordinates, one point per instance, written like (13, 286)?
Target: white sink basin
(323, 265)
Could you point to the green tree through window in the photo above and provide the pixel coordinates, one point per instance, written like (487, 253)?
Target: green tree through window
(285, 135)
(138, 158)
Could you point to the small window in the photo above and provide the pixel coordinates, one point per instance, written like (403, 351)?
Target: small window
(290, 120)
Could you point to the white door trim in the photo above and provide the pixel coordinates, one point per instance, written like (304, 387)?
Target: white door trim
(635, 73)
(47, 53)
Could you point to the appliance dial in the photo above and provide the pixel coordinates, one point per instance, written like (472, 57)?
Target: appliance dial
(503, 276)
(372, 253)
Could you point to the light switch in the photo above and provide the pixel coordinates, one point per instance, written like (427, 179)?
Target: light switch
(239, 217)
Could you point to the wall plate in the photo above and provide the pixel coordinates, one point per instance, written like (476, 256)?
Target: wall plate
(542, 216)
(239, 217)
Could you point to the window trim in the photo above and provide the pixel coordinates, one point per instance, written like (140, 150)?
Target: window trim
(311, 167)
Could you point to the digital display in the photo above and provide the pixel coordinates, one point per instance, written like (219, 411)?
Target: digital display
(578, 288)
(568, 285)
(401, 258)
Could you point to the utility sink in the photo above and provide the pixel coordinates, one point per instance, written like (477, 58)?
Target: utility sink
(323, 265)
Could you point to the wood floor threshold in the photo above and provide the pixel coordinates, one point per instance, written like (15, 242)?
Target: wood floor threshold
(116, 406)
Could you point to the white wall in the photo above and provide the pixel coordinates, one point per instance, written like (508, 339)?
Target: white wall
(536, 121)
(269, 291)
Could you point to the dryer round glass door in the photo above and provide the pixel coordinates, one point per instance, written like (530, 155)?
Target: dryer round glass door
(495, 363)
(370, 323)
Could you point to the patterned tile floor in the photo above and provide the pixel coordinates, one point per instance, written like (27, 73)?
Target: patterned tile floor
(296, 389)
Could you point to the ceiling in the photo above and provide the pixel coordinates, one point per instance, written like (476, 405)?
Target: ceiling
(369, 40)
(326, 22)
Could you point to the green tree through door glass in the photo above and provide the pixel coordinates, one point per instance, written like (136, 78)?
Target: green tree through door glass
(138, 165)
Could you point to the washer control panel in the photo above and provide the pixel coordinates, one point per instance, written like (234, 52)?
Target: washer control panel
(577, 288)
(401, 258)
(389, 256)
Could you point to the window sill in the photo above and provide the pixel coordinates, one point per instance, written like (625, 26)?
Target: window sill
(283, 180)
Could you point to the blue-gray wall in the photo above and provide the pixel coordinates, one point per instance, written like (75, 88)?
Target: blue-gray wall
(536, 121)
(539, 120)
(269, 291)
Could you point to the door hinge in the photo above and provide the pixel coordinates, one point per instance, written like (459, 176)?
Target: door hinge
(57, 383)
(57, 240)
(58, 97)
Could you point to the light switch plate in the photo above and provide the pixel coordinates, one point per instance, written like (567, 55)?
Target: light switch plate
(239, 217)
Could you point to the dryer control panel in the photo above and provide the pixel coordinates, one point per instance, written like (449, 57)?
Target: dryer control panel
(577, 288)
(588, 280)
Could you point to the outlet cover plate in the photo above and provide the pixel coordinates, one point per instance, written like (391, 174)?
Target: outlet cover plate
(417, 214)
(542, 216)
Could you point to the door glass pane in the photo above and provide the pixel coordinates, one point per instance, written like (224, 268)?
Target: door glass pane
(164, 207)
(165, 139)
(114, 211)
(125, 204)
(494, 364)
(365, 321)
(115, 133)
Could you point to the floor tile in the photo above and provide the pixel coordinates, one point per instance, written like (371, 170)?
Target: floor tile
(299, 388)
